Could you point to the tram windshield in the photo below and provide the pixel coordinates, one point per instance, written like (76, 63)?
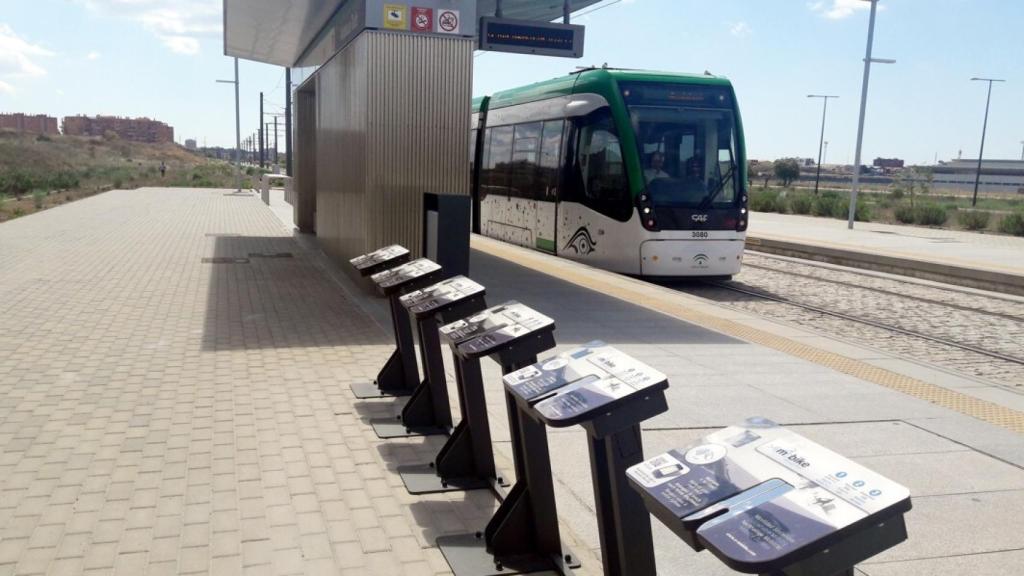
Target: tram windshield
(686, 139)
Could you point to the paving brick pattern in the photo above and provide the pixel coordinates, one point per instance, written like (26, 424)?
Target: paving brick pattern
(162, 415)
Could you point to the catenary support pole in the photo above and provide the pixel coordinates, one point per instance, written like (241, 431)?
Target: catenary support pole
(260, 129)
(288, 120)
(984, 128)
(821, 141)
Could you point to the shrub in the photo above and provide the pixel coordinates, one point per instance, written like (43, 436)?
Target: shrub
(196, 176)
(765, 201)
(801, 203)
(896, 194)
(930, 215)
(118, 183)
(842, 211)
(3, 200)
(1012, 223)
(824, 205)
(905, 214)
(18, 211)
(37, 198)
(973, 219)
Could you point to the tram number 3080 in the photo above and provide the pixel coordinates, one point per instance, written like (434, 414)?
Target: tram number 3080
(699, 234)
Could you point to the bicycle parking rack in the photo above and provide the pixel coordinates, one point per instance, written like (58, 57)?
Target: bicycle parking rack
(380, 260)
(513, 335)
(400, 375)
(428, 411)
(765, 500)
(609, 394)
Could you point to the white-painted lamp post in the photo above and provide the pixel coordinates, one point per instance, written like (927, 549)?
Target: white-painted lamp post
(868, 60)
(238, 131)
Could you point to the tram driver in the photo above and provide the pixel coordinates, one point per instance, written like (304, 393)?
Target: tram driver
(693, 187)
(655, 170)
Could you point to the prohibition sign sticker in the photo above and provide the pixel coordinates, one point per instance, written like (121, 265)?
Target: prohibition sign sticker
(422, 19)
(448, 21)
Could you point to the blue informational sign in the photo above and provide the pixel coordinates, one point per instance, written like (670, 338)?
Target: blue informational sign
(530, 37)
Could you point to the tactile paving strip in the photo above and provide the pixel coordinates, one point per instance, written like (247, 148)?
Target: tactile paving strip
(974, 407)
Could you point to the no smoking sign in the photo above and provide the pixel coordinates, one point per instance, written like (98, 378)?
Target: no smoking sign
(422, 19)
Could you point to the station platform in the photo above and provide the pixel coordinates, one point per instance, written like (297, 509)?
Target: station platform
(985, 261)
(177, 401)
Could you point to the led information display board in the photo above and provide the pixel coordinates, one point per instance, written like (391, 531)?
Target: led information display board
(530, 37)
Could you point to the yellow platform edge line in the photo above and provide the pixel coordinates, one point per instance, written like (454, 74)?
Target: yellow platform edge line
(983, 410)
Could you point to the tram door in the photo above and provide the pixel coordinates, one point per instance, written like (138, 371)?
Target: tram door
(548, 172)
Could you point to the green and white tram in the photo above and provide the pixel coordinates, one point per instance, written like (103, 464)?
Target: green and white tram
(642, 173)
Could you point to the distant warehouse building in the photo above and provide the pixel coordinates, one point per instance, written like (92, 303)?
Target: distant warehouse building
(134, 129)
(888, 163)
(32, 124)
(996, 175)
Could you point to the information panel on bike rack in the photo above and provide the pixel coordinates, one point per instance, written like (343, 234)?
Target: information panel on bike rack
(764, 499)
(380, 259)
(483, 333)
(569, 388)
(388, 280)
(440, 295)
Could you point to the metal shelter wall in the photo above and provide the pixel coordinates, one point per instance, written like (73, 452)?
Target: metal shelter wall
(392, 123)
(305, 160)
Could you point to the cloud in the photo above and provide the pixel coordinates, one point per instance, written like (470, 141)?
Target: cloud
(838, 9)
(19, 58)
(740, 29)
(94, 55)
(181, 44)
(178, 24)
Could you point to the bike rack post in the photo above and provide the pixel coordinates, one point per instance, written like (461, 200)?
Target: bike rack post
(511, 333)
(428, 412)
(399, 376)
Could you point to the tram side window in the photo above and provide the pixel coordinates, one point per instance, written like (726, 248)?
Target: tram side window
(550, 160)
(495, 173)
(599, 174)
(525, 151)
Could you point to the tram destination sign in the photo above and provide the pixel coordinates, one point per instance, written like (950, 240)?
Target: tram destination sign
(531, 37)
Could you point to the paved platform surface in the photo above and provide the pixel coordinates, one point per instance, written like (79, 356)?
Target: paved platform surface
(987, 261)
(160, 414)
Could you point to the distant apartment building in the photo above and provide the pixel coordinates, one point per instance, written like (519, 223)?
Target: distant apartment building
(33, 124)
(134, 129)
(190, 143)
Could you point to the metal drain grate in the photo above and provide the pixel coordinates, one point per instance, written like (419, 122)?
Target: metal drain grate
(270, 255)
(225, 260)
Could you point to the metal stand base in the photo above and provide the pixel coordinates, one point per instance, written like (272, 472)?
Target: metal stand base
(467, 555)
(365, 390)
(423, 479)
(396, 428)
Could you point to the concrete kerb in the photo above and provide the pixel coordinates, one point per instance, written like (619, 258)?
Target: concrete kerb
(922, 269)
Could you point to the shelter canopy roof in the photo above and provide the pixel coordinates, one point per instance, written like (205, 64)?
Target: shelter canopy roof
(279, 31)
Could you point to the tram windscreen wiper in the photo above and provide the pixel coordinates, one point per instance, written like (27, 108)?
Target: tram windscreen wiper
(718, 189)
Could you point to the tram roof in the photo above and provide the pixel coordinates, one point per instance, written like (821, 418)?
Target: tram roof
(280, 31)
(591, 79)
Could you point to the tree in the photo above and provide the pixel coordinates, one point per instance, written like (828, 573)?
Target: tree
(787, 170)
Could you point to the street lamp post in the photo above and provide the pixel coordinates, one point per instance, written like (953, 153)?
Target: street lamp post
(821, 141)
(238, 131)
(984, 127)
(868, 60)
(1022, 149)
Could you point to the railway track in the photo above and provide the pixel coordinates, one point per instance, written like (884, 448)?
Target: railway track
(966, 331)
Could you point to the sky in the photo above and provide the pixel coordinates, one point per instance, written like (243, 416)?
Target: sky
(160, 58)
